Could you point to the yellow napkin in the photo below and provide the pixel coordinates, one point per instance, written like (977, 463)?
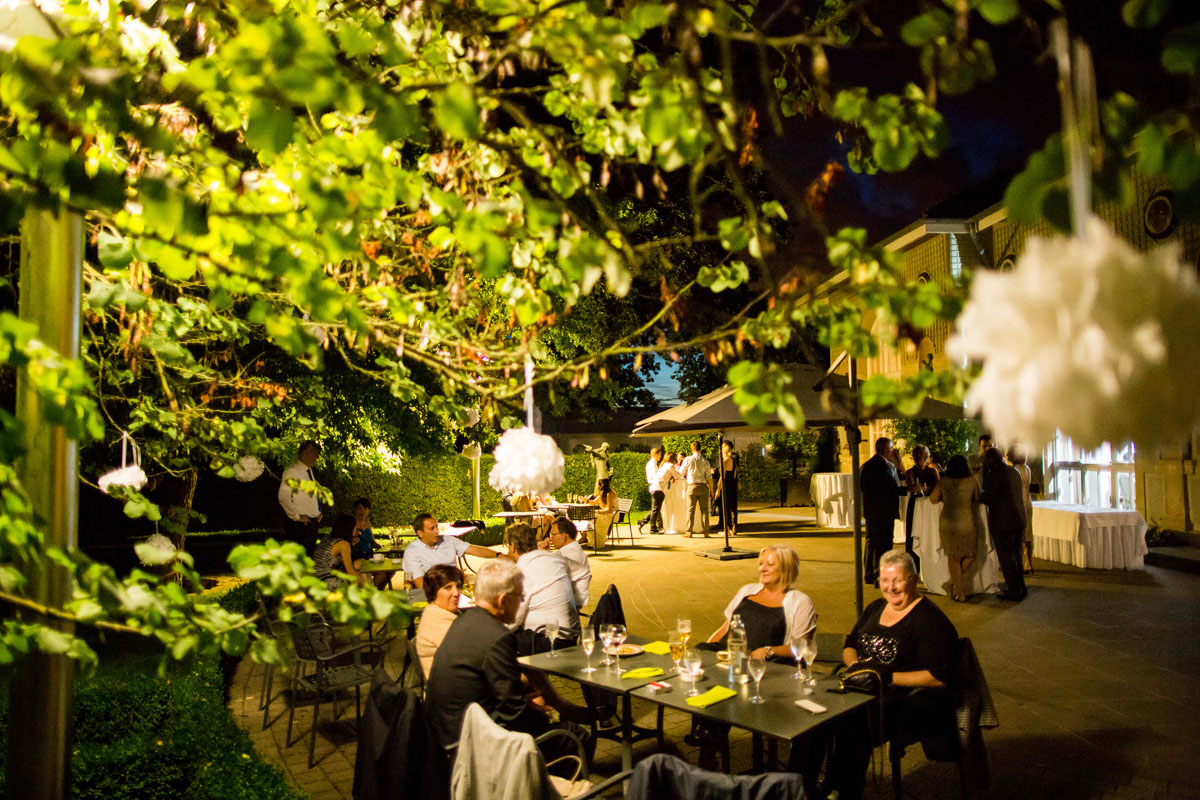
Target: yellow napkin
(711, 697)
(420, 604)
(642, 672)
(658, 648)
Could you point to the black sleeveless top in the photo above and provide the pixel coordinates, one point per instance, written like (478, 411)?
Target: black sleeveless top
(765, 627)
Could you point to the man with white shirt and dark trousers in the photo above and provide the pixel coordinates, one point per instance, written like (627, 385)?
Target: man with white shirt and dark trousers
(562, 539)
(657, 494)
(698, 474)
(302, 510)
(549, 595)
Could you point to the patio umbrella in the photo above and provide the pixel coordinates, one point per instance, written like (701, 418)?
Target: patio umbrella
(827, 400)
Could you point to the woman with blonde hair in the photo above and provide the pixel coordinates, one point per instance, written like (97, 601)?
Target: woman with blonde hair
(772, 611)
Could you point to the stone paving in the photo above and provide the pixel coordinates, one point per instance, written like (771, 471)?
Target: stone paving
(1093, 676)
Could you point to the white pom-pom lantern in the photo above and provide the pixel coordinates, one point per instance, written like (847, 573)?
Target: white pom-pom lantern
(247, 468)
(472, 451)
(156, 550)
(472, 417)
(527, 462)
(131, 476)
(1087, 336)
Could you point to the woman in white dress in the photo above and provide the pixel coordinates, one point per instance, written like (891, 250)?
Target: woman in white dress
(674, 504)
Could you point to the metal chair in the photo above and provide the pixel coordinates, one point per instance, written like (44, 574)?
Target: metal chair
(579, 514)
(279, 632)
(412, 661)
(334, 669)
(624, 516)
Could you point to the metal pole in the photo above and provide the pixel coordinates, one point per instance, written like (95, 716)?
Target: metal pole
(39, 754)
(854, 437)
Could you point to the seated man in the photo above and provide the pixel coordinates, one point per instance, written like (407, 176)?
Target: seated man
(477, 663)
(432, 548)
(562, 539)
(549, 596)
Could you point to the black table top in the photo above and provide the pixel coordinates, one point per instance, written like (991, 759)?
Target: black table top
(779, 717)
(568, 662)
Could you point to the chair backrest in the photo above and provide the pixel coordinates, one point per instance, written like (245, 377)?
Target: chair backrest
(624, 505)
(581, 512)
(608, 609)
(476, 768)
(312, 640)
(415, 663)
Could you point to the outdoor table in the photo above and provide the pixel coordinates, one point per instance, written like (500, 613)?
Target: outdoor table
(1086, 536)
(369, 566)
(833, 495)
(568, 662)
(518, 514)
(778, 718)
(984, 574)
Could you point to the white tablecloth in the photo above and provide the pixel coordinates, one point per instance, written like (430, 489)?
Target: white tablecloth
(1085, 536)
(984, 574)
(833, 495)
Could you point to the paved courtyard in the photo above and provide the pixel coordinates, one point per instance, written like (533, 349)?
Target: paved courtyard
(1094, 676)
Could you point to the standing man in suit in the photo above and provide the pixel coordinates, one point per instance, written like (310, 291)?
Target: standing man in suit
(302, 510)
(657, 494)
(881, 491)
(1006, 520)
(697, 472)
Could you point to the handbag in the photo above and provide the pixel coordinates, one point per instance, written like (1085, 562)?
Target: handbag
(864, 679)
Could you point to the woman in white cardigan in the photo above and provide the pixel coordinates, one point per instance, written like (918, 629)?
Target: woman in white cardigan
(773, 613)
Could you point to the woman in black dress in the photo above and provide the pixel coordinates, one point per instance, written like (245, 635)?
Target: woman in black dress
(921, 477)
(726, 497)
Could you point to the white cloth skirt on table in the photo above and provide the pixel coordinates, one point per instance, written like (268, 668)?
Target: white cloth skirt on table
(674, 509)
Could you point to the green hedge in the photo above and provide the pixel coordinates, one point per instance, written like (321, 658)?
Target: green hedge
(142, 735)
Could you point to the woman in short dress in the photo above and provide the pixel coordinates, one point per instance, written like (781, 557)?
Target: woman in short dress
(958, 491)
(727, 488)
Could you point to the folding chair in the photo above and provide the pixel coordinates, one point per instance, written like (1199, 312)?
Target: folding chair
(624, 516)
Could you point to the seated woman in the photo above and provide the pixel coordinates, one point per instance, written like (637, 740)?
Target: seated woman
(606, 500)
(442, 586)
(773, 613)
(334, 553)
(914, 647)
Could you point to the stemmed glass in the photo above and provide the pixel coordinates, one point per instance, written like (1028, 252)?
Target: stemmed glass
(606, 640)
(551, 629)
(757, 667)
(617, 634)
(588, 640)
(798, 646)
(684, 626)
(691, 666)
(675, 642)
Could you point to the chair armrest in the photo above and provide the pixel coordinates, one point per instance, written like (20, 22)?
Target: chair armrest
(602, 787)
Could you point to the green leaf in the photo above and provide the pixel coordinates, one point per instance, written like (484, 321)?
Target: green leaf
(998, 12)
(115, 252)
(269, 128)
(923, 29)
(1181, 50)
(457, 112)
(1144, 13)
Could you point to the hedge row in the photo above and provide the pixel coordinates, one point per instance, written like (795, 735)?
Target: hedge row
(443, 485)
(142, 735)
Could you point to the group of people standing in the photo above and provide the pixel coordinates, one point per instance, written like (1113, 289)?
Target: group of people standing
(1000, 485)
(677, 483)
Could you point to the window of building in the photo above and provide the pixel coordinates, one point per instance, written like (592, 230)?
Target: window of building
(1102, 477)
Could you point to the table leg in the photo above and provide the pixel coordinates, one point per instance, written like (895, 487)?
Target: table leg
(627, 732)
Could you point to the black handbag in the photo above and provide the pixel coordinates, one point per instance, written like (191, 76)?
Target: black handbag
(864, 679)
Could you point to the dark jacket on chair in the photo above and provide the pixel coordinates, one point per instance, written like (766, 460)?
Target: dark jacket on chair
(664, 777)
(608, 609)
(396, 756)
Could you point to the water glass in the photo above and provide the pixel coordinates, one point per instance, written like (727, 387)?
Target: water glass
(551, 629)
(588, 639)
(691, 665)
(606, 641)
(757, 666)
(618, 638)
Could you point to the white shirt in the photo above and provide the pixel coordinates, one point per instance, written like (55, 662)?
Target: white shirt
(549, 596)
(696, 469)
(297, 504)
(652, 481)
(578, 570)
(666, 474)
(419, 557)
(797, 610)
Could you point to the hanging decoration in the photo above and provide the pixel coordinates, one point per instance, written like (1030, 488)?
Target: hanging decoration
(527, 461)
(128, 474)
(247, 469)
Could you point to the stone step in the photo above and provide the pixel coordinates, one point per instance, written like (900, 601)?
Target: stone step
(1184, 558)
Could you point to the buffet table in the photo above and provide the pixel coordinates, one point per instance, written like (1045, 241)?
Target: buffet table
(1086, 536)
(984, 574)
(833, 495)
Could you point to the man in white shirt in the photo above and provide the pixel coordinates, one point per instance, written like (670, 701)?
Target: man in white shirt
(302, 510)
(432, 548)
(657, 495)
(549, 596)
(698, 474)
(562, 539)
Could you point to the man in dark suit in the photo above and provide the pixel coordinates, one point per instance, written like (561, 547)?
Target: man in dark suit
(1006, 519)
(881, 491)
(477, 663)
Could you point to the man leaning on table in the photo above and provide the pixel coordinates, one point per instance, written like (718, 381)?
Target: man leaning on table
(562, 539)
(549, 595)
(432, 548)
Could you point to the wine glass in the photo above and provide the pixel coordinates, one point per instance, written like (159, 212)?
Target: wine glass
(606, 640)
(588, 640)
(691, 666)
(797, 646)
(551, 629)
(684, 626)
(810, 656)
(675, 642)
(757, 667)
(618, 637)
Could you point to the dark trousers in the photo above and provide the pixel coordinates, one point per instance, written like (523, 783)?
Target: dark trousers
(656, 504)
(879, 541)
(908, 537)
(1008, 553)
(304, 533)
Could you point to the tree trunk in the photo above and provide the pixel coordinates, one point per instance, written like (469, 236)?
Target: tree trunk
(176, 494)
